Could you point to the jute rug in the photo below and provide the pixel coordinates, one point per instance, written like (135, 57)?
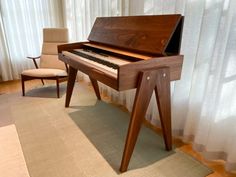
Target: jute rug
(87, 139)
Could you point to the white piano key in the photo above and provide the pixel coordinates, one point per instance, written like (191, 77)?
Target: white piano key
(90, 63)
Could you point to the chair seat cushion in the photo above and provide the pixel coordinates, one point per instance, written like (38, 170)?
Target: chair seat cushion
(44, 72)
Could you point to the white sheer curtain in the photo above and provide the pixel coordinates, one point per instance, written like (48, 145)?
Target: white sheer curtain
(5, 70)
(21, 32)
(204, 100)
(81, 14)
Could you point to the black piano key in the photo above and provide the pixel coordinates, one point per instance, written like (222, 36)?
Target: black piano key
(95, 59)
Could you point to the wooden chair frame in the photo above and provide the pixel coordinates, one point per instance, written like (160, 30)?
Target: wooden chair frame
(58, 79)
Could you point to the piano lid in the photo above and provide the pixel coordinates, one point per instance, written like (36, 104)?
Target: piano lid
(155, 34)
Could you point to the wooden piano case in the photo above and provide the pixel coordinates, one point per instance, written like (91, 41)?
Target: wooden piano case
(154, 39)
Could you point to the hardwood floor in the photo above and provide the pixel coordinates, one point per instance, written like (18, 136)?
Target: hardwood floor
(217, 166)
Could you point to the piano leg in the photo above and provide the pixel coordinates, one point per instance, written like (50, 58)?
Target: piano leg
(95, 87)
(162, 92)
(148, 81)
(70, 84)
(143, 95)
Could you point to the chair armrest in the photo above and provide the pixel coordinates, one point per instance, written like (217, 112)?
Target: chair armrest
(34, 57)
(35, 63)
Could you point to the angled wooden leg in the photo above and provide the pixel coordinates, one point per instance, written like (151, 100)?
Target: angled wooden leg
(42, 81)
(58, 88)
(162, 91)
(143, 95)
(70, 84)
(23, 85)
(95, 87)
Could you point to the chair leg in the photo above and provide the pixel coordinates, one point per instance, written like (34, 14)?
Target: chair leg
(23, 85)
(42, 81)
(58, 89)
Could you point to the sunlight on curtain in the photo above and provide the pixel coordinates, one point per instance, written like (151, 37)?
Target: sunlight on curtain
(5, 70)
(23, 22)
(81, 14)
(216, 118)
(204, 100)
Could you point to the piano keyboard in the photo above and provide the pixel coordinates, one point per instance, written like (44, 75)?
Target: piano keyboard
(105, 63)
(87, 54)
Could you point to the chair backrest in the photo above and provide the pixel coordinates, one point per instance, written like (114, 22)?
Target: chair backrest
(49, 55)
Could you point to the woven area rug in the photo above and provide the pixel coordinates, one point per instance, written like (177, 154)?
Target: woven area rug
(87, 139)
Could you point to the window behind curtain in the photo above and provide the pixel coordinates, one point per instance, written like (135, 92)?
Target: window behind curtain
(23, 21)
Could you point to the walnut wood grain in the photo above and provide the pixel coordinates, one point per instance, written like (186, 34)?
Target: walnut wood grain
(95, 87)
(149, 80)
(128, 74)
(141, 34)
(70, 84)
(145, 86)
(155, 38)
(162, 92)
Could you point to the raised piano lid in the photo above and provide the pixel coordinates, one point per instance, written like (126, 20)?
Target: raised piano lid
(157, 35)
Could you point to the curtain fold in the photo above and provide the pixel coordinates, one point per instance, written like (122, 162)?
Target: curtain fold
(203, 101)
(5, 66)
(21, 27)
(80, 15)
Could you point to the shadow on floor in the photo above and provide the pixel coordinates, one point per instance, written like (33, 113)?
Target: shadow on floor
(48, 91)
(106, 126)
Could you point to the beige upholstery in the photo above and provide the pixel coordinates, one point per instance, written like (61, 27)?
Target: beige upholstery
(50, 48)
(51, 61)
(44, 72)
(51, 38)
(50, 66)
(57, 35)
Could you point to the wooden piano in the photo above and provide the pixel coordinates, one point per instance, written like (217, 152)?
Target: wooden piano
(131, 52)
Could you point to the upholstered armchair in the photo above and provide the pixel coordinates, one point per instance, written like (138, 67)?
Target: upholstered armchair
(50, 68)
